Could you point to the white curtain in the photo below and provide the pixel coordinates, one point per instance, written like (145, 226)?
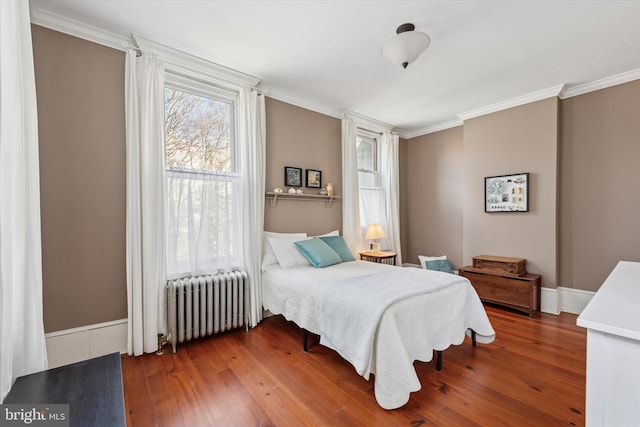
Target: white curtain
(373, 211)
(252, 144)
(144, 109)
(22, 344)
(204, 231)
(350, 189)
(389, 177)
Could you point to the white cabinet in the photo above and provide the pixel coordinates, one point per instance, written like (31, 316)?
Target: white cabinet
(612, 319)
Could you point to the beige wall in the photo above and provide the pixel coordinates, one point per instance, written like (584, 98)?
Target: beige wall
(521, 139)
(307, 140)
(431, 196)
(80, 92)
(599, 181)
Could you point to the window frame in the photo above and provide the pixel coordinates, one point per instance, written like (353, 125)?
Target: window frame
(375, 172)
(198, 88)
(204, 90)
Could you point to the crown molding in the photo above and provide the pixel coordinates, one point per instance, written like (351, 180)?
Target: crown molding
(580, 89)
(514, 102)
(431, 129)
(195, 67)
(298, 101)
(53, 21)
(367, 123)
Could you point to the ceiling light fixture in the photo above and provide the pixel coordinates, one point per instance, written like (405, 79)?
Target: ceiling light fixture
(406, 46)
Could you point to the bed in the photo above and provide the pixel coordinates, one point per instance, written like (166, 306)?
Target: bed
(405, 314)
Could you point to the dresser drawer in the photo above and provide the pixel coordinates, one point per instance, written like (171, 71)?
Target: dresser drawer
(500, 289)
(520, 293)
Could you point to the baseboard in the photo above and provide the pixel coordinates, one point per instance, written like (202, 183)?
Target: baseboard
(77, 344)
(573, 300)
(549, 300)
(561, 299)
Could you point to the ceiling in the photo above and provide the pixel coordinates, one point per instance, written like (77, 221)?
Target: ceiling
(325, 55)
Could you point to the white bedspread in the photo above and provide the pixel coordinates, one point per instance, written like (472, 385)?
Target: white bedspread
(350, 309)
(409, 329)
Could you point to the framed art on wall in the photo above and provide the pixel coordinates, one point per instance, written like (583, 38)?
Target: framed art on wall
(314, 178)
(292, 177)
(506, 193)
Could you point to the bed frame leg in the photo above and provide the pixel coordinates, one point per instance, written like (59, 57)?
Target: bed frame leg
(439, 360)
(473, 338)
(305, 340)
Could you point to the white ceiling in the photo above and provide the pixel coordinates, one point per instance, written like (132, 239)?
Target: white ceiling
(325, 55)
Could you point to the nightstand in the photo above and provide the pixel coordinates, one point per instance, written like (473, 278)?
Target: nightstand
(379, 257)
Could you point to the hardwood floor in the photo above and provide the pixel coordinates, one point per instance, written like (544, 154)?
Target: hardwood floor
(533, 374)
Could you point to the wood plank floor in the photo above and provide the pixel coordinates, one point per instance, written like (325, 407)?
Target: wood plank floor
(533, 374)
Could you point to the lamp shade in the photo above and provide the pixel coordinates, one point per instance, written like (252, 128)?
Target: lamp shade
(406, 46)
(374, 231)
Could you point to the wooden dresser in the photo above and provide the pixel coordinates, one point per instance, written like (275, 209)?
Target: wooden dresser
(504, 281)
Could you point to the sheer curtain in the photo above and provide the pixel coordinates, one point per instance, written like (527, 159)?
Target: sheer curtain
(252, 144)
(391, 188)
(350, 188)
(22, 343)
(144, 110)
(204, 231)
(373, 211)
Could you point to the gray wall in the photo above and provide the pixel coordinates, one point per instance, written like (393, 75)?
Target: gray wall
(599, 184)
(80, 92)
(594, 222)
(431, 196)
(521, 139)
(308, 140)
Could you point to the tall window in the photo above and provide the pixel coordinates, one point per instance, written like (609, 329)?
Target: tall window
(372, 199)
(202, 182)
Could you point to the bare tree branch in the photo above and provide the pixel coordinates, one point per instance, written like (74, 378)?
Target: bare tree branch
(197, 133)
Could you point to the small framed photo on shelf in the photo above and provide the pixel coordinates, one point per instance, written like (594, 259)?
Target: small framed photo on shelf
(506, 193)
(314, 179)
(292, 177)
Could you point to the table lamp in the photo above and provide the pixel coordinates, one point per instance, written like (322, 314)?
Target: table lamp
(374, 232)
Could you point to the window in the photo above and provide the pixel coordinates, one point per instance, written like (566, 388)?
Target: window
(372, 198)
(203, 185)
(367, 145)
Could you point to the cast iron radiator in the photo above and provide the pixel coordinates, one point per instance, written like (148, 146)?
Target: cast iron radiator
(205, 305)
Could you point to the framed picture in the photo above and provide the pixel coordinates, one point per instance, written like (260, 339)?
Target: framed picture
(506, 193)
(314, 179)
(292, 177)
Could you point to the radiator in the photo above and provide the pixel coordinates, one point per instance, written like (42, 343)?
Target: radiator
(206, 305)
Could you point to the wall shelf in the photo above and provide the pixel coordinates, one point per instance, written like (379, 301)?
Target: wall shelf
(273, 198)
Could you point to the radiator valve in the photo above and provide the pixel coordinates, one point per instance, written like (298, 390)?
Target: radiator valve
(162, 340)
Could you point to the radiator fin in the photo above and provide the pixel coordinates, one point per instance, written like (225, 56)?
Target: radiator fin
(206, 305)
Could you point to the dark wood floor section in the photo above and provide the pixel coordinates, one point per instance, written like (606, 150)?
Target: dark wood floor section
(533, 374)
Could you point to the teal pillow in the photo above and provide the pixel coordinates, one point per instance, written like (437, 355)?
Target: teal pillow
(318, 253)
(439, 265)
(338, 244)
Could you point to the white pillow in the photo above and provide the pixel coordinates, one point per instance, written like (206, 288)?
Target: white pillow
(287, 253)
(329, 234)
(424, 258)
(268, 256)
